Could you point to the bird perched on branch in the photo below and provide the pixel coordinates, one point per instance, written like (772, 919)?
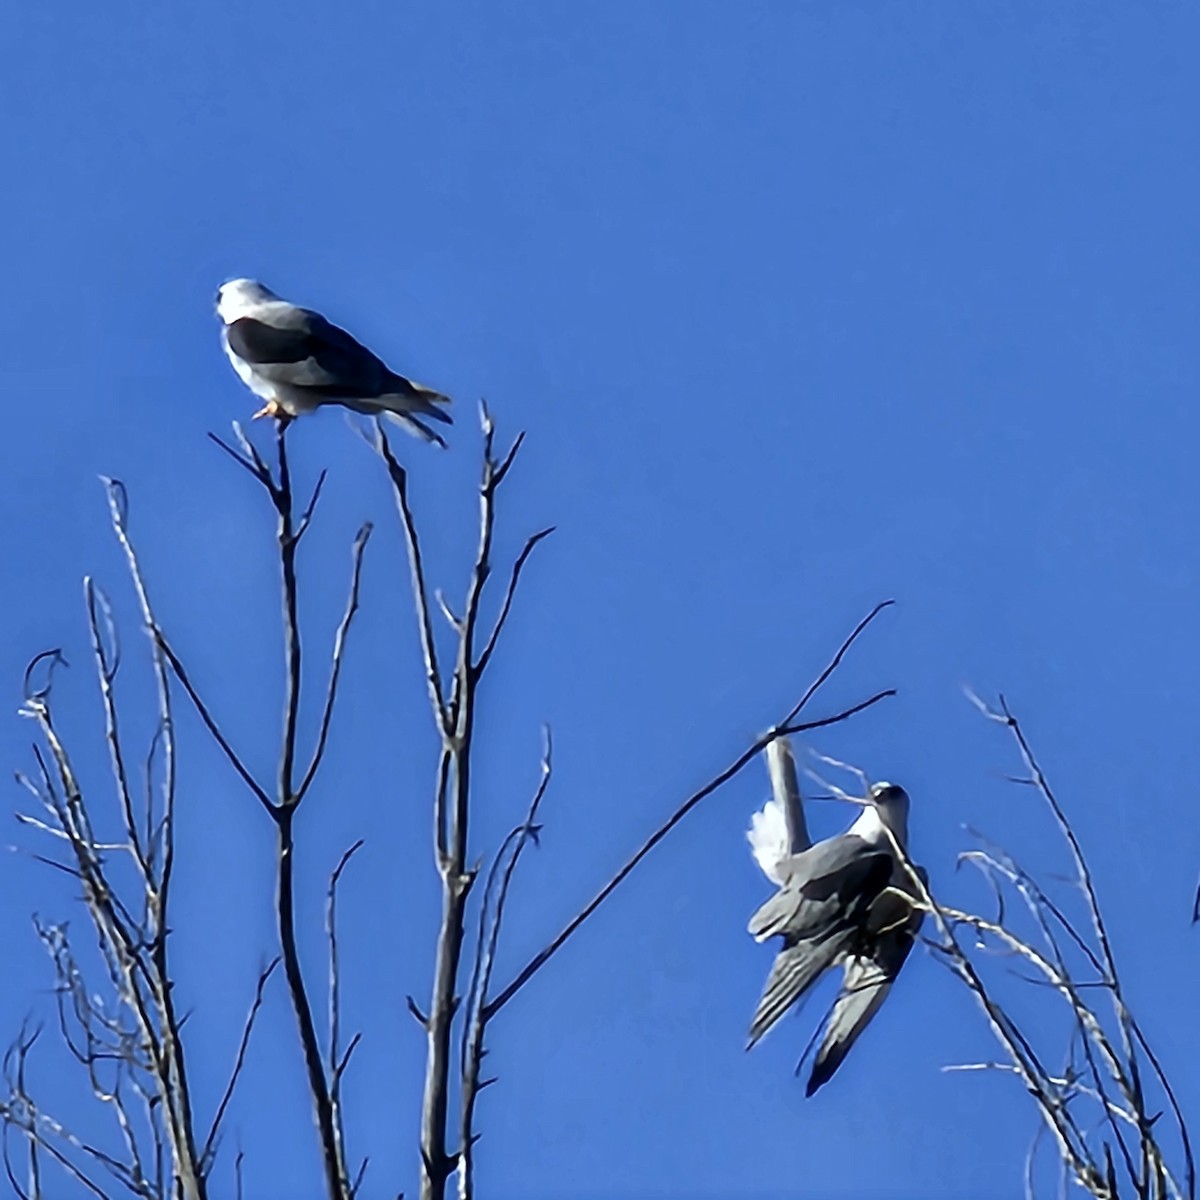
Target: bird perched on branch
(296, 360)
(848, 901)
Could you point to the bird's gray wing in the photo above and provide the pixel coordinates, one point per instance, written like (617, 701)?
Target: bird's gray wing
(866, 982)
(795, 969)
(820, 919)
(300, 348)
(830, 868)
(892, 925)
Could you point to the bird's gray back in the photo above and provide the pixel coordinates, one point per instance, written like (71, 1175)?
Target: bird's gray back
(299, 348)
(833, 881)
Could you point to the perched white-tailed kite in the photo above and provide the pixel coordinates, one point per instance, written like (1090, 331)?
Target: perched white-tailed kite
(296, 360)
(848, 900)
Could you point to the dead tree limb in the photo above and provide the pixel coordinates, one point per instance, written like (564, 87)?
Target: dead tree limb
(1098, 1109)
(292, 784)
(491, 919)
(339, 1060)
(453, 708)
(129, 1046)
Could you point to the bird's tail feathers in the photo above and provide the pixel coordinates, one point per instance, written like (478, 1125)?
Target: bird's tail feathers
(429, 394)
(407, 396)
(412, 425)
(768, 838)
(864, 990)
(866, 982)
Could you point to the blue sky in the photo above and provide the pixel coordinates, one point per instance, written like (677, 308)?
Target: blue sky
(803, 306)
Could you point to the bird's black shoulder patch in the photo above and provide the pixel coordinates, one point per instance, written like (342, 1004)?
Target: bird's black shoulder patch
(258, 342)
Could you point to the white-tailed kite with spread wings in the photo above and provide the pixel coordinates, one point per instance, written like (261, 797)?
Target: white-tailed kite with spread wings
(296, 360)
(847, 900)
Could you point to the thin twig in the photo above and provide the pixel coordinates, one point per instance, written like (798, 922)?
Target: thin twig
(211, 725)
(513, 580)
(257, 469)
(337, 1061)
(307, 516)
(491, 918)
(399, 478)
(339, 649)
(239, 1062)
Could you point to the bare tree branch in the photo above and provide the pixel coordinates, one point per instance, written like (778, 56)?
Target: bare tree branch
(133, 1055)
(106, 649)
(513, 580)
(1104, 1071)
(456, 720)
(399, 478)
(284, 810)
(211, 725)
(491, 918)
(337, 1060)
(239, 1062)
(310, 508)
(339, 649)
(835, 662)
(452, 702)
(255, 466)
(289, 793)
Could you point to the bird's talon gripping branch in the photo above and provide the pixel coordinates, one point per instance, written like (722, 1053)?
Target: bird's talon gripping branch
(270, 409)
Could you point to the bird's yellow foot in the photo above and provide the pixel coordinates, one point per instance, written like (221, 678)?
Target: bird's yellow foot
(270, 409)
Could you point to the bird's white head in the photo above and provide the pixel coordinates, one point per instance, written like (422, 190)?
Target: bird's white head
(891, 803)
(239, 297)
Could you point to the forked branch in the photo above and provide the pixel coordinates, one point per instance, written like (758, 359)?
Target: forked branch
(1107, 1130)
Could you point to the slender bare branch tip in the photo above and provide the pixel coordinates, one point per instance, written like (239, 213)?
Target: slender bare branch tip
(256, 467)
(834, 663)
(340, 1069)
(54, 659)
(310, 508)
(420, 1018)
(501, 469)
(118, 499)
(239, 432)
(454, 622)
(844, 715)
(344, 861)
